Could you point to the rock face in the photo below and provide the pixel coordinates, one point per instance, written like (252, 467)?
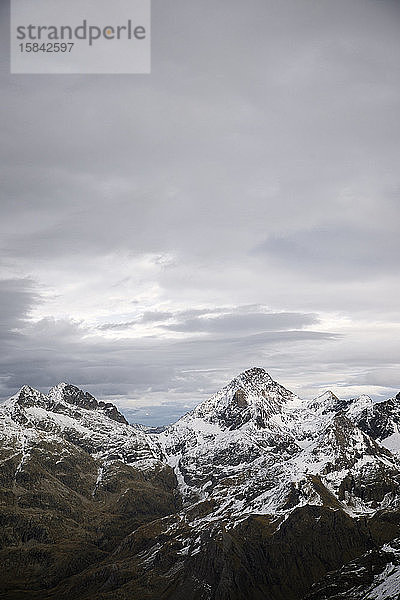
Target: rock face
(255, 494)
(374, 575)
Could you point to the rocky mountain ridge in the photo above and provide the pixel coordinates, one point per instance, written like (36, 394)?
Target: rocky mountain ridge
(255, 493)
(255, 436)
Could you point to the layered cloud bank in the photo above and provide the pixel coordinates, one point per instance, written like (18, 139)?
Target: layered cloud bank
(239, 206)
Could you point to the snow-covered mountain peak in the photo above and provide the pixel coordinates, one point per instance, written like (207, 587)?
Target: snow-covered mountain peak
(262, 442)
(58, 389)
(329, 404)
(73, 395)
(326, 403)
(359, 405)
(27, 390)
(327, 396)
(254, 378)
(69, 415)
(27, 396)
(251, 397)
(63, 398)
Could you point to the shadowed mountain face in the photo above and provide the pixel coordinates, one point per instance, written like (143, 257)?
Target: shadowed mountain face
(255, 494)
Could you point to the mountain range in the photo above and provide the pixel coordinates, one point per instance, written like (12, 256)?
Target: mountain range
(256, 494)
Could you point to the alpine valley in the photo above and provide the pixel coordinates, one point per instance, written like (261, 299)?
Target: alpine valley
(254, 495)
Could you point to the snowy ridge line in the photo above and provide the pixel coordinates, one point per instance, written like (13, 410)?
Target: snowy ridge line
(254, 447)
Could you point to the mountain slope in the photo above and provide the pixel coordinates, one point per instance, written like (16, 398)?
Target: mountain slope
(381, 421)
(75, 479)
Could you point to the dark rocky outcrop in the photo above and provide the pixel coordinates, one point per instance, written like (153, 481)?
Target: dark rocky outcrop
(55, 520)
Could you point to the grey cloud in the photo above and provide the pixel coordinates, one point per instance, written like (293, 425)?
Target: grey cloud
(147, 317)
(152, 316)
(50, 350)
(117, 326)
(386, 376)
(265, 124)
(174, 374)
(250, 163)
(18, 297)
(218, 320)
(197, 312)
(244, 322)
(339, 250)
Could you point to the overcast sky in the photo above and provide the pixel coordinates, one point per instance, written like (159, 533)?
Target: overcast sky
(238, 207)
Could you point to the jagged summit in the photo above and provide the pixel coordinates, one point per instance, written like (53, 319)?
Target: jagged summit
(27, 396)
(362, 404)
(62, 396)
(72, 416)
(73, 395)
(251, 397)
(327, 402)
(254, 377)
